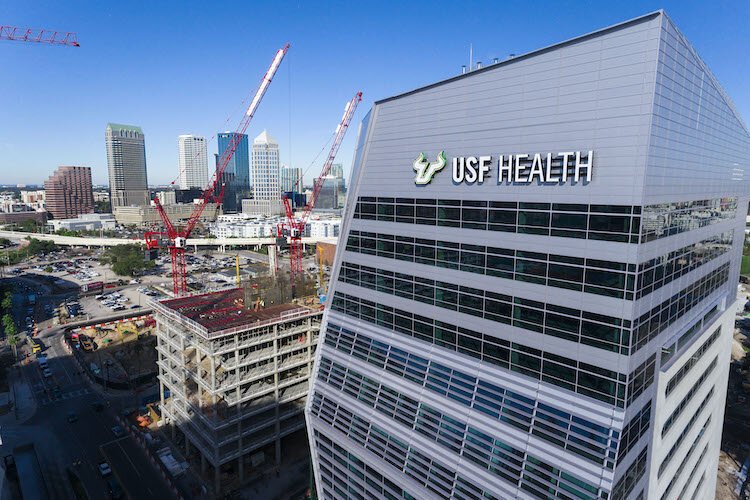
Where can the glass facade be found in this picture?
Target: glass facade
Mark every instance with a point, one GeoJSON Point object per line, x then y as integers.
{"type": "Point", "coordinates": [532, 339]}
{"type": "Point", "coordinates": [236, 177]}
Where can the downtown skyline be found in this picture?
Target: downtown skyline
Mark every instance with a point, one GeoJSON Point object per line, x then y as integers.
{"type": "Point", "coordinates": [302, 107]}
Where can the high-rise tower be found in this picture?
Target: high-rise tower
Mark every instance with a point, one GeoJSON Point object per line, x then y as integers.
{"type": "Point", "coordinates": [68, 192]}
{"type": "Point", "coordinates": [535, 291]}
{"type": "Point", "coordinates": [265, 167]}
{"type": "Point", "coordinates": [126, 159]}
{"type": "Point", "coordinates": [236, 176]}
{"type": "Point", "coordinates": [193, 161]}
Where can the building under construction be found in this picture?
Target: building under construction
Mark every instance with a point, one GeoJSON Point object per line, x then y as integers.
{"type": "Point", "coordinates": [234, 379]}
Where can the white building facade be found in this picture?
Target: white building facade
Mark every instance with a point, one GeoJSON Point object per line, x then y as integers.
{"type": "Point", "coordinates": [193, 161]}
{"type": "Point", "coordinates": [535, 290]}
{"type": "Point", "coordinates": [265, 169]}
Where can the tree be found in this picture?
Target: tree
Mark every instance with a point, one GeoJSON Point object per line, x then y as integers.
{"type": "Point", "coordinates": [126, 260]}
{"type": "Point", "coordinates": [11, 333]}
{"type": "Point", "coordinates": [7, 302]}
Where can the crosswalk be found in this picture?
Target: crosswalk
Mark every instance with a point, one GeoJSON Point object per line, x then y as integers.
{"type": "Point", "coordinates": [46, 397]}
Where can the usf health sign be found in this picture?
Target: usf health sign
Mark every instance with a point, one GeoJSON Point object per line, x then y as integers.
{"type": "Point", "coordinates": [540, 168]}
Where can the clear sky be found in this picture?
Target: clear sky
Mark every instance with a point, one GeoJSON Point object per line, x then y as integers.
{"type": "Point", "coordinates": [185, 67]}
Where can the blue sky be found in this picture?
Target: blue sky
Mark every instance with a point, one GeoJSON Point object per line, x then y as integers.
{"type": "Point", "coordinates": [185, 67]}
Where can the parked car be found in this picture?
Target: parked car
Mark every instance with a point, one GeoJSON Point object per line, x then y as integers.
{"type": "Point", "coordinates": [104, 469]}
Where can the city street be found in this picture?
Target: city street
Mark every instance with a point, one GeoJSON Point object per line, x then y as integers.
{"type": "Point", "coordinates": [60, 443]}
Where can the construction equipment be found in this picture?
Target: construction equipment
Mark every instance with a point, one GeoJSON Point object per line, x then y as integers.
{"type": "Point", "coordinates": [213, 193]}
{"type": "Point", "coordinates": [295, 228]}
{"type": "Point", "coordinates": [237, 268]}
{"type": "Point", "coordinates": [38, 36]}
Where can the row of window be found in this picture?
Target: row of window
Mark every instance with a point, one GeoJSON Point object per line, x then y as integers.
{"type": "Point", "coordinates": [555, 426]}
{"type": "Point", "coordinates": [496, 456]}
{"type": "Point", "coordinates": [633, 431]}
{"type": "Point", "coordinates": [659, 318]}
{"type": "Point", "coordinates": [600, 331]}
{"type": "Point", "coordinates": [621, 223]}
{"type": "Point", "coordinates": [625, 485]}
{"type": "Point", "coordinates": [697, 488]}
{"type": "Point", "coordinates": [687, 457]}
{"type": "Point", "coordinates": [351, 477]}
{"type": "Point", "coordinates": [612, 279]}
{"type": "Point", "coordinates": [688, 397]}
{"type": "Point", "coordinates": [685, 431]}
{"type": "Point", "coordinates": [597, 222]}
{"type": "Point", "coordinates": [599, 383]}
{"type": "Point", "coordinates": [399, 454]}
{"type": "Point", "coordinates": [662, 270]}
{"type": "Point", "coordinates": [452, 433]}
{"type": "Point", "coordinates": [573, 273]}
{"type": "Point", "coordinates": [641, 378]}
{"type": "Point", "coordinates": [667, 219]}
{"type": "Point", "coordinates": [346, 478]}
{"type": "Point", "coordinates": [697, 355]}
{"type": "Point", "coordinates": [673, 346]}
{"type": "Point", "coordinates": [596, 330]}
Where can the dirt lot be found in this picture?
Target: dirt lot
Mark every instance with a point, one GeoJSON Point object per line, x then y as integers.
{"type": "Point", "coordinates": [727, 479]}
{"type": "Point", "coordinates": [125, 350]}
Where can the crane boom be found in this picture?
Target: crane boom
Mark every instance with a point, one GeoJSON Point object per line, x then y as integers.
{"type": "Point", "coordinates": [39, 36]}
{"type": "Point", "coordinates": [178, 237]}
{"type": "Point", "coordinates": [297, 227]}
{"type": "Point", "coordinates": [210, 192]}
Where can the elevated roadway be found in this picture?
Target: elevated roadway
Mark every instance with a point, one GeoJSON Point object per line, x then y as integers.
{"type": "Point", "coordinates": [86, 241]}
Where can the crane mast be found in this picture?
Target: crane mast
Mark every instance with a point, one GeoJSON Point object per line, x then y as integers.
{"type": "Point", "coordinates": [212, 193]}
{"type": "Point", "coordinates": [39, 36]}
{"type": "Point", "coordinates": [296, 227]}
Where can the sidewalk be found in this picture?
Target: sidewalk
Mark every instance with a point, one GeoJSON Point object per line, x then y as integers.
{"type": "Point", "coordinates": [24, 403]}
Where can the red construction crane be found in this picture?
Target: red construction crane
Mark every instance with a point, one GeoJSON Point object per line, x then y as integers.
{"type": "Point", "coordinates": [295, 228]}
{"type": "Point", "coordinates": [38, 35]}
{"type": "Point", "coordinates": [213, 193]}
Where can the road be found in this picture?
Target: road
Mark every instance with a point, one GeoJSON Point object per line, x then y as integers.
{"type": "Point", "coordinates": [59, 442]}
{"type": "Point", "coordinates": [127, 460]}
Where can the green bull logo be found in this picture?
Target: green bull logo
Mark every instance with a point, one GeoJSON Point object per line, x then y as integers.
{"type": "Point", "coordinates": [426, 170]}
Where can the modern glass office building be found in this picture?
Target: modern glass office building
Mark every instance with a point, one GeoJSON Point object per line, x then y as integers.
{"type": "Point", "coordinates": [236, 175]}
{"type": "Point", "coordinates": [535, 290]}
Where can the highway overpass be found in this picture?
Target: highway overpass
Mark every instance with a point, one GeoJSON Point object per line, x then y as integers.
{"type": "Point", "coordinates": [220, 243]}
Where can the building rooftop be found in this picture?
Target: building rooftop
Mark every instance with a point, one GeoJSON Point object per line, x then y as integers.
{"type": "Point", "coordinates": [217, 311]}
{"type": "Point", "coordinates": [129, 128]}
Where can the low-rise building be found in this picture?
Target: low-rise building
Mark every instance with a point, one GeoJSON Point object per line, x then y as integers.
{"type": "Point", "coordinates": [136, 215]}
{"type": "Point", "coordinates": [84, 222]}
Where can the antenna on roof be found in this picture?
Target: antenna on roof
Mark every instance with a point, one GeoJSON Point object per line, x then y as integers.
{"type": "Point", "coordinates": [471, 57]}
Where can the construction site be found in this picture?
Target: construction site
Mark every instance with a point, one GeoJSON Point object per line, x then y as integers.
{"type": "Point", "coordinates": [234, 379]}
{"type": "Point", "coordinates": [119, 353]}
{"type": "Point", "coordinates": [234, 365]}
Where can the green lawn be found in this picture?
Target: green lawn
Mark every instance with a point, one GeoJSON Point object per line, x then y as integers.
{"type": "Point", "coordinates": [745, 269]}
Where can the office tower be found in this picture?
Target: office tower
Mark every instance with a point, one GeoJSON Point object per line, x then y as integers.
{"type": "Point", "coordinates": [233, 379]}
{"type": "Point", "coordinates": [126, 159]}
{"type": "Point", "coordinates": [331, 193]}
{"type": "Point", "coordinates": [68, 192]}
{"type": "Point", "coordinates": [265, 166]}
{"type": "Point", "coordinates": [291, 179]}
{"type": "Point", "coordinates": [193, 161]}
{"type": "Point", "coordinates": [236, 176]}
{"type": "Point", "coordinates": [536, 287]}
{"type": "Point", "coordinates": [337, 170]}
